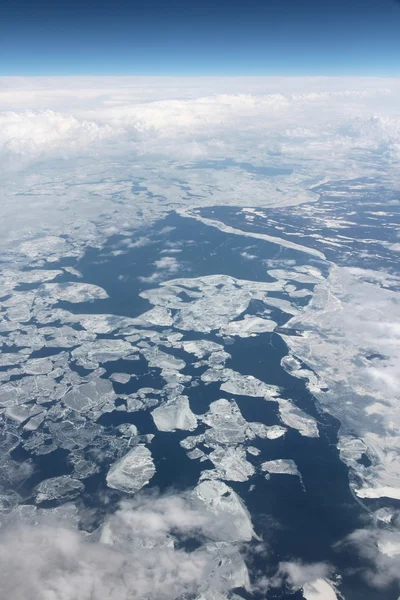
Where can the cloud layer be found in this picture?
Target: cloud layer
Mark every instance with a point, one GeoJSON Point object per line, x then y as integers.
{"type": "Point", "coordinates": [135, 556]}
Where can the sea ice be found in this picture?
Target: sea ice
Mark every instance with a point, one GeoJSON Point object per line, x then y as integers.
{"type": "Point", "coordinates": [297, 419]}
{"type": "Point", "coordinates": [350, 339]}
{"type": "Point", "coordinates": [231, 463]}
{"type": "Point", "coordinates": [133, 471]}
{"type": "Point", "coordinates": [319, 589]}
{"type": "Point", "coordinates": [233, 523]}
{"type": "Point", "coordinates": [72, 292]}
{"type": "Point", "coordinates": [175, 414]}
{"type": "Point", "coordinates": [248, 326]}
{"type": "Point", "coordinates": [90, 354]}
{"type": "Point", "coordinates": [280, 466]}
{"type": "Point", "coordinates": [90, 395]}
{"type": "Point", "coordinates": [120, 377]}
{"type": "Point", "coordinates": [58, 488]}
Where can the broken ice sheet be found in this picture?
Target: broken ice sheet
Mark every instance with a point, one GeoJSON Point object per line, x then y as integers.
{"type": "Point", "coordinates": [280, 466]}
{"type": "Point", "coordinates": [233, 523]}
{"type": "Point", "coordinates": [214, 300]}
{"type": "Point", "coordinates": [72, 292]}
{"type": "Point", "coordinates": [226, 434]}
{"type": "Point", "coordinates": [61, 488]}
{"type": "Point", "coordinates": [90, 354]}
{"type": "Point", "coordinates": [297, 419]}
{"type": "Point", "coordinates": [133, 471]}
{"type": "Point", "coordinates": [248, 326]}
{"type": "Point", "coordinates": [120, 377]}
{"type": "Point", "coordinates": [90, 395]}
{"type": "Point", "coordinates": [231, 464]}
{"type": "Point", "coordinates": [175, 414]}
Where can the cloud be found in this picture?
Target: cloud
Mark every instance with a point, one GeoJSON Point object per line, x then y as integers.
{"type": "Point", "coordinates": [166, 266]}
{"type": "Point", "coordinates": [29, 132]}
{"type": "Point", "coordinates": [137, 556]}
{"type": "Point", "coordinates": [381, 548]}
{"type": "Point", "coordinates": [169, 263]}
{"type": "Point", "coordinates": [303, 117]}
{"type": "Point", "coordinates": [294, 575]}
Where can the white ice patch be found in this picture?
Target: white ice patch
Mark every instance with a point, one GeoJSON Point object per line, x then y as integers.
{"type": "Point", "coordinates": [133, 471]}
{"type": "Point", "coordinates": [213, 303]}
{"type": "Point", "coordinates": [62, 488]}
{"type": "Point", "coordinates": [159, 315]}
{"type": "Point", "coordinates": [233, 519]}
{"type": "Point", "coordinates": [241, 385]}
{"type": "Point", "coordinates": [103, 323]}
{"type": "Point", "coordinates": [72, 292]}
{"type": "Point", "coordinates": [319, 589]}
{"type": "Point", "coordinates": [351, 340]}
{"type": "Point", "coordinates": [231, 464]}
{"type": "Point", "coordinates": [88, 396]}
{"type": "Point", "coordinates": [280, 466]}
{"type": "Point", "coordinates": [248, 327]}
{"type": "Point", "coordinates": [90, 354]}
{"type": "Point", "coordinates": [205, 315]}
{"type": "Point", "coordinates": [201, 348]}
{"type": "Point", "coordinates": [175, 414]}
{"type": "Point", "coordinates": [123, 378]}
{"type": "Point", "coordinates": [227, 434]}
{"type": "Point", "coordinates": [162, 360]}
{"type": "Point", "coordinates": [297, 419]}
{"type": "Point", "coordinates": [271, 432]}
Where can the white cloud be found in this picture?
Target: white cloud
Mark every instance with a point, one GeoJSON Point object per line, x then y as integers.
{"type": "Point", "coordinates": [200, 117]}
{"type": "Point", "coordinates": [169, 263]}
{"type": "Point", "coordinates": [29, 132]}
{"type": "Point", "coordinates": [382, 549]}
{"type": "Point", "coordinates": [296, 575]}
{"type": "Point", "coordinates": [166, 267]}
{"type": "Point", "coordinates": [135, 557]}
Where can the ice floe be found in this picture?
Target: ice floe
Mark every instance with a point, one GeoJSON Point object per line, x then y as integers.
{"type": "Point", "coordinates": [90, 395]}
{"type": "Point", "coordinates": [233, 522]}
{"type": "Point", "coordinates": [230, 464]}
{"type": "Point", "coordinates": [213, 303]}
{"type": "Point", "coordinates": [294, 417]}
{"type": "Point", "coordinates": [282, 466]}
{"type": "Point", "coordinates": [245, 385]}
{"type": "Point", "coordinates": [72, 292]}
{"type": "Point", "coordinates": [123, 378]}
{"type": "Point", "coordinates": [90, 354]}
{"type": "Point", "coordinates": [133, 471]}
{"type": "Point", "coordinates": [61, 488]}
{"type": "Point", "coordinates": [249, 326]}
{"type": "Point", "coordinates": [319, 589]}
{"type": "Point", "coordinates": [227, 435]}
{"type": "Point", "coordinates": [175, 414]}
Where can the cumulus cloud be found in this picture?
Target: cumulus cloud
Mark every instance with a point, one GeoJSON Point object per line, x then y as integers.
{"type": "Point", "coordinates": [29, 132]}
{"type": "Point", "coordinates": [135, 556]}
{"type": "Point", "coordinates": [201, 118]}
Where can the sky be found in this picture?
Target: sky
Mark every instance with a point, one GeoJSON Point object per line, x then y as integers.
{"type": "Point", "coordinates": [207, 37]}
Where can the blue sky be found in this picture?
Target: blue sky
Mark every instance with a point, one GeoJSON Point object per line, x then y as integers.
{"type": "Point", "coordinates": [177, 37]}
